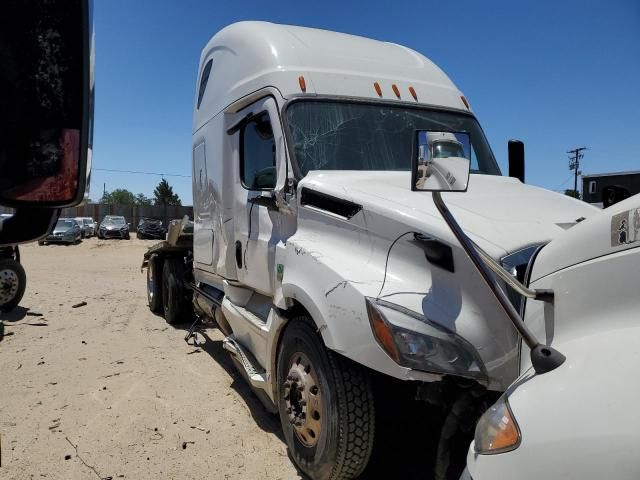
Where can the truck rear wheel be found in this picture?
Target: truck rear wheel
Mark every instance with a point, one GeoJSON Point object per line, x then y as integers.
{"type": "Point", "coordinates": [175, 295]}
{"type": "Point", "coordinates": [154, 285]}
{"type": "Point", "coordinates": [13, 282]}
{"type": "Point", "coordinates": [325, 404]}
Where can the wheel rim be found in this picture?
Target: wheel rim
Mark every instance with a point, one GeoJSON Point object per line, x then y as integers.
{"type": "Point", "coordinates": [150, 285]}
{"type": "Point", "coordinates": [303, 399]}
{"type": "Point", "coordinates": [9, 285]}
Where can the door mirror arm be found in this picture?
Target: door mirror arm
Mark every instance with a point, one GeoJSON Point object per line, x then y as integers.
{"type": "Point", "coordinates": [543, 357]}
{"type": "Point", "coordinates": [546, 295]}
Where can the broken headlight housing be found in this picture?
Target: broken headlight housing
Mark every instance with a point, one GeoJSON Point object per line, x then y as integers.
{"type": "Point", "coordinates": [413, 341]}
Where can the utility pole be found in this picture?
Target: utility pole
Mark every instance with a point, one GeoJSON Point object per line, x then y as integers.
{"type": "Point", "coordinates": [575, 156]}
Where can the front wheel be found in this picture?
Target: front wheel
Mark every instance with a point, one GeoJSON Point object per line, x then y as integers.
{"type": "Point", "coordinates": [325, 404]}
{"type": "Point", "coordinates": [13, 281]}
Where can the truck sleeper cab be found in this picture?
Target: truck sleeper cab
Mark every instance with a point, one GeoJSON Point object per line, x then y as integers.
{"type": "Point", "coordinates": [310, 250]}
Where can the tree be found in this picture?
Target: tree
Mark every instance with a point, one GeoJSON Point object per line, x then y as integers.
{"type": "Point", "coordinates": [142, 199]}
{"type": "Point", "coordinates": [119, 196]}
{"type": "Point", "coordinates": [572, 193]}
{"type": "Point", "coordinates": [164, 195]}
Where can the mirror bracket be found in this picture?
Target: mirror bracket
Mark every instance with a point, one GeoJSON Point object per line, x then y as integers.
{"type": "Point", "coordinates": [543, 357]}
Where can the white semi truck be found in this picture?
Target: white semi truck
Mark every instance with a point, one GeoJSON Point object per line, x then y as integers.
{"type": "Point", "coordinates": [319, 262]}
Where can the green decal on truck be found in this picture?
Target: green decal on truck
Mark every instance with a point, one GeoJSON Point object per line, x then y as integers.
{"type": "Point", "coordinates": [280, 272]}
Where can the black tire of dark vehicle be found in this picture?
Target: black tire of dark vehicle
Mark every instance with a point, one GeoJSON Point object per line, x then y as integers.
{"type": "Point", "coordinates": [154, 285]}
{"type": "Point", "coordinates": [175, 302]}
{"type": "Point", "coordinates": [11, 272]}
{"type": "Point", "coordinates": [127, 237]}
{"type": "Point", "coordinates": [342, 449]}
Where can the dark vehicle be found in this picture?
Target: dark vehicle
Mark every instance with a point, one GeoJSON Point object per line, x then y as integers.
{"type": "Point", "coordinates": [13, 280]}
{"type": "Point", "coordinates": [67, 230]}
{"type": "Point", "coordinates": [12, 277]}
{"type": "Point", "coordinates": [114, 226]}
{"type": "Point", "coordinates": [151, 228]}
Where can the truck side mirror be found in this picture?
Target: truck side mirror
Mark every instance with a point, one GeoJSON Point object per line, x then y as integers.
{"type": "Point", "coordinates": [516, 159]}
{"type": "Point", "coordinates": [46, 93]}
{"type": "Point", "coordinates": [440, 161]}
{"type": "Point", "coordinates": [612, 194]}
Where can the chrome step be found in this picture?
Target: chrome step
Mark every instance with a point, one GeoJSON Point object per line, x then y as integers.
{"type": "Point", "coordinates": [255, 373]}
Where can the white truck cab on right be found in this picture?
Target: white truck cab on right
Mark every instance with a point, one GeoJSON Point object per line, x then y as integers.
{"type": "Point", "coordinates": [323, 267]}
{"type": "Point", "coordinates": [579, 421]}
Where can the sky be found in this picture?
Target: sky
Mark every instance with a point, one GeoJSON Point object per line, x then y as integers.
{"type": "Point", "coordinates": [554, 74]}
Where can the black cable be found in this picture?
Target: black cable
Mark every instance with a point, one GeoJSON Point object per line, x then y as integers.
{"type": "Point", "coordinates": [386, 263]}
{"type": "Point", "coordinates": [141, 173]}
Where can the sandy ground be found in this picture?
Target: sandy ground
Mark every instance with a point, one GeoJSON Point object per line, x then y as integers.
{"type": "Point", "coordinates": [109, 390]}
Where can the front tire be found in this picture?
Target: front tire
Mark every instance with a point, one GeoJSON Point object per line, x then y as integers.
{"type": "Point", "coordinates": [13, 281]}
{"type": "Point", "coordinates": [325, 404]}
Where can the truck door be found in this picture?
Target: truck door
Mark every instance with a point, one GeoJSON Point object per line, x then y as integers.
{"type": "Point", "coordinates": [260, 156]}
{"type": "Point", "coordinates": [203, 228]}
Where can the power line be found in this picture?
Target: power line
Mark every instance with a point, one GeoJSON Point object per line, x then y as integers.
{"type": "Point", "coordinates": [141, 173]}
{"type": "Point", "coordinates": [560, 187]}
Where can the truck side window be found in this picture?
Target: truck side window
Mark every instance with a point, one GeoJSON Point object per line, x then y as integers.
{"type": "Point", "coordinates": [206, 71]}
{"type": "Point", "coordinates": [258, 154]}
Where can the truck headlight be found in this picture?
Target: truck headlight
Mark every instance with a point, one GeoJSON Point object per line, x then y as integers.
{"type": "Point", "coordinates": [414, 341]}
{"type": "Point", "coordinates": [497, 430]}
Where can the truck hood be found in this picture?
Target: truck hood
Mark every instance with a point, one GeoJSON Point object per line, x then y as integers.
{"type": "Point", "coordinates": [611, 230]}
{"type": "Point", "coordinates": [501, 214]}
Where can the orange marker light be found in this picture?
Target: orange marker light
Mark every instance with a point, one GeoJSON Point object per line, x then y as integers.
{"type": "Point", "coordinates": [303, 84]}
{"type": "Point", "coordinates": [376, 85]}
{"type": "Point", "coordinates": [413, 93]}
{"type": "Point", "coordinates": [466, 104]}
{"type": "Point", "coordinates": [395, 89]}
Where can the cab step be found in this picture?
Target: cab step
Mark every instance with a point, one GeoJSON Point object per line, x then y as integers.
{"type": "Point", "coordinates": [256, 375]}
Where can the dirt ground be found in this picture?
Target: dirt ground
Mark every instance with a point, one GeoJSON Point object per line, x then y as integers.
{"type": "Point", "coordinates": [116, 390]}
{"type": "Point", "coordinates": [109, 390]}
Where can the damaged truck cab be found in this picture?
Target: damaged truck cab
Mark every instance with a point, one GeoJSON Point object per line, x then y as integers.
{"type": "Point", "coordinates": [310, 249]}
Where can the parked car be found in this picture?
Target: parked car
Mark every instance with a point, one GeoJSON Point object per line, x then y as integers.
{"type": "Point", "coordinates": [114, 226]}
{"type": "Point", "coordinates": [151, 228]}
{"type": "Point", "coordinates": [87, 226]}
{"type": "Point", "coordinates": [67, 230]}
